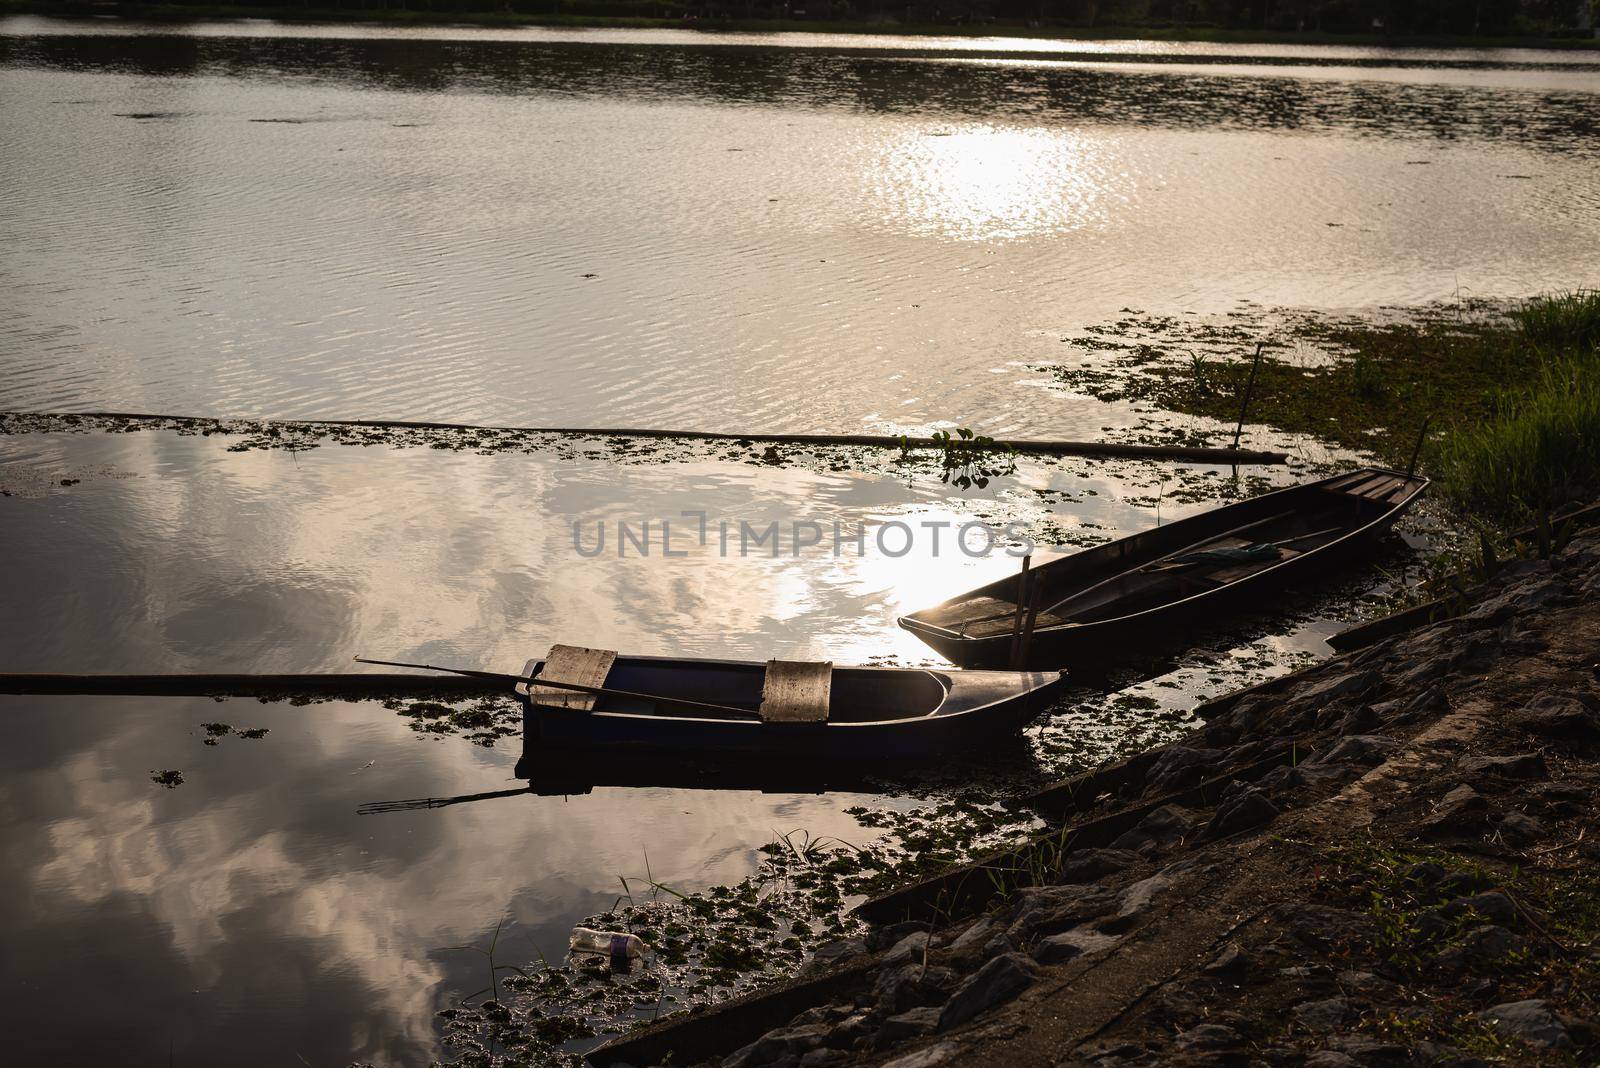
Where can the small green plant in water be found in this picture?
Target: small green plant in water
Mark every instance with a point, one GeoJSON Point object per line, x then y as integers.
{"type": "Point", "coordinates": [966, 458]}
{"type": "Point", "coordinates": [969, 459]}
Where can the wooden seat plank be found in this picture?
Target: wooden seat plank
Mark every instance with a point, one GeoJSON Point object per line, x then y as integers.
{"type": "Point", "coordinates": [796, 692]}
{"type": "Point", "coordinates": [1380, 490]}
{"type": "Point", "coordinates": [574, 664]}
{"type": "Point", "coordinates": [1360, 489]}
{"type": "Point", "coordinates": [1346, 480]}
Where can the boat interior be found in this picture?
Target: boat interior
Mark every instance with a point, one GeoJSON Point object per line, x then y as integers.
{"type": "Point", "coordinates": [1178, 566]}
{"type": "Point", "coordinates": [776, 692]}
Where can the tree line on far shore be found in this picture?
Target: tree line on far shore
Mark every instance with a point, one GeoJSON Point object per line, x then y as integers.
{"type": "Point", "coordinates": [1368, 18]}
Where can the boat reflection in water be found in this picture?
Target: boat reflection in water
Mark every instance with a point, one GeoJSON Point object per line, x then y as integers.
{"type": "Point", "coordinates": [551, 771]}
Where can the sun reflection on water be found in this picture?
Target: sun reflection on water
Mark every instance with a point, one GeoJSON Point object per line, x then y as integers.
{"type": "Point", "coordinates": [993, 183]}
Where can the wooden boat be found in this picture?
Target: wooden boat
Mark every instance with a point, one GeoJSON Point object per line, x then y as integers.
{"type": "Point", "coordinates": [789, 711]}
{"type": "Point", "coordinates": [1117, 599]}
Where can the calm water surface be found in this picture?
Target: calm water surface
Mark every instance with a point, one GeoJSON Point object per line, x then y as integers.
{"type": "Point", "coordinates": [252, 908]}
{"type": "Point", "coordinates": [593, 228]}
{"type": "Point", "coordinates": [602, 229]}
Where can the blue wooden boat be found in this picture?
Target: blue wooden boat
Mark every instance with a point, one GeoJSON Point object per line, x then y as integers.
{"type": "Point", "coordinates": [779, 710]}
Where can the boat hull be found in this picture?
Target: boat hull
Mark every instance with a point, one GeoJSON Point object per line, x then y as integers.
{"type": "Point", "coordinates": [1091, 647]}
{"type": "Point", "coordinates": [978, 709]}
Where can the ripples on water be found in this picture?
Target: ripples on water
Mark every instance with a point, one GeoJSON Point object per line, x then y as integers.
{"type": "Point", "coordinates": [631, 228]}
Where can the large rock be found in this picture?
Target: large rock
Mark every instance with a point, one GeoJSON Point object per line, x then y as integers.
{"type": "Point", "coordinates": [927, 1057]}
{"type": "Point", "coordinates": [1558, 716]}
{"type": "Point", "coordinates": [1233, 960]}
{"type": "Point", "coordinates": [783, 1042]}
{"type": "Point", "coordinates": [1532, 1020]}
{"type": "Point", "coordinates": [1208, 1036]}
{"type": "Point", "coordinates": [1087, 865]}
{"type": "Point", "coordinates": [1180, 766]}
{"type": "Point", "coordinates": [1341, 685]}
{"type": "Point", "coordinates": [1247, 811]}
{"type": "Point", "coordinates": [913, 948]}
{"type": "Point", "coordinates": [1323, 1015]}
{"type": "Point", "coordinates": [908, 986]}
{"type": "Point", "coordinates": [836, 952]}
{"type": "Point", "coordinates": [1002, 979]}
{"type": "Point", "coordinates": [1364, 749]}
{"type": "Point", "coordinates": [1073, 943]}
{"type": "Point", "coordinates": [916, 1022]}
{"type": "Point", "coordinates": [1527, 766]}
{"type": "Point", "coordinates": [1533, 593]}
{"type": "Point", "coordinates": [1136, 898]}
{"type": "Point", "coordinates": [1164, 826]}
{"type": "Point", "coordinates": [1519, 828]}
{"type": "Point", "coordinates": [1460, 811]}
{"type": "Point", "coordinates": [975, 937]}
{"type": "Point", "coordinates": [884, 937]}
{"type": "Point", "coordinates": [1282, 778]}
{"type": "Point", "coordinates": [1475, 657]}
{"type": "Point", "coordinates": [1048, 909]}
{"type": "Point", "coordinates": [823, 1057]}
{"type": "Point", "coordinates": [844, 1034]}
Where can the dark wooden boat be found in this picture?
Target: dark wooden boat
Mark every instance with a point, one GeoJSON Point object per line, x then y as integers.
{"type": "Point", "coordinates": [787, 711]}
{"type": "Point", "coordinates": [1117, 599]}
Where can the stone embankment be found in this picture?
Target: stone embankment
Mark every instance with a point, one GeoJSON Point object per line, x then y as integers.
{"type": "Point", "coordinates": [1415, 885]}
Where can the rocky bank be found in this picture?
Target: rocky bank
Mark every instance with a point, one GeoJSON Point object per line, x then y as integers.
{"type": "Point", "coordinates": [1415, 884]}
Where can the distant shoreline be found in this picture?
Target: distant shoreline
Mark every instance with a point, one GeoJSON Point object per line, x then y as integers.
{"type": "Point", "coordinates": [157, 12]}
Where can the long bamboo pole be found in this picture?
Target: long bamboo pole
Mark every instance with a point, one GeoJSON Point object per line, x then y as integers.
{"type": "Point", "coordinates": [576, 687]}
{"type": "Point", "coordinates": [1103, 449]}
{"type": "Point", "coordinates": [366, 684]}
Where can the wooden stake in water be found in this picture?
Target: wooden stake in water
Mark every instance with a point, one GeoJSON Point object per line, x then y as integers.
{"type": "Point", "coordinates": [1022, 607]}
{"type": "Point", "coordinates": [1416, 453]}
{"type": "Point", "coordinates": [1250, 388]}
{"type": "Point", "coordinates": [1027, 628]}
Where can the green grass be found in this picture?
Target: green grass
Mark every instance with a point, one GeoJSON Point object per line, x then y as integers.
{"type": "Point", "coordinates": [1563, 322]}
{"type": "Point", "coordinates": [1373, 396]}
{"type": "Point", "coordinates": [1510, 396]}
{"type": "Point", "coordinates": [1542, 450]}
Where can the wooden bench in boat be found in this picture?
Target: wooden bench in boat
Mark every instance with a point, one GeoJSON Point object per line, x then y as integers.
{"type": "Point", "coordinates": [795, 692]}
{"type": "Point", "coordinates": [576, 665]}
{"type": "Point", "coordinates": [1378, 486]}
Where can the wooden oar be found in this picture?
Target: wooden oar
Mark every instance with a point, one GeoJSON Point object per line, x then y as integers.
{"type": "Point", "coordinates": [598, 691]}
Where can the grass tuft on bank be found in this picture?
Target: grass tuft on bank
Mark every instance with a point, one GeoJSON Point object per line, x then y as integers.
{"type": "Point", "coordinates": [1510, 395]}
{"type": "Point", "coordinates": [1542, 450]}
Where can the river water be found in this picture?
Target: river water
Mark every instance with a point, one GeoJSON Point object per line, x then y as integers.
{"type": "Point", "coordinates": [599, 228]}
{"type": "Point", "coordinates": [614, 229]}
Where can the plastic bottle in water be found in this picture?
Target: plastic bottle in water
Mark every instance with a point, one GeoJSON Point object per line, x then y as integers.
{"type": "Point", "coordinates": [620, 947]}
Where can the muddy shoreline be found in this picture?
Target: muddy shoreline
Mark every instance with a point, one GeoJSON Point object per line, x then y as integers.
{"type": "Point", "coordinates": [1413, 884]}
